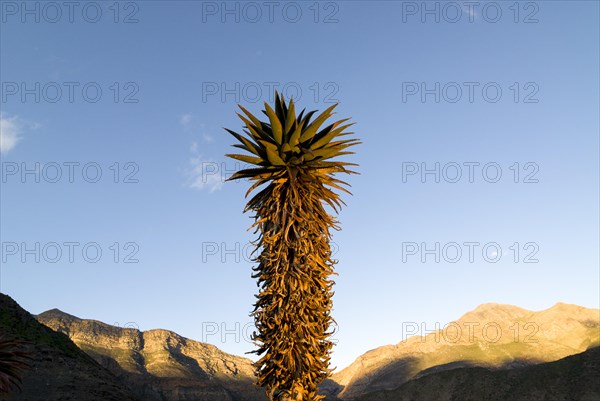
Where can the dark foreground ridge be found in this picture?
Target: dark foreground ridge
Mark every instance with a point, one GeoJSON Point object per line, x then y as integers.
{"type": "Point", "coordinates": [59, 370]}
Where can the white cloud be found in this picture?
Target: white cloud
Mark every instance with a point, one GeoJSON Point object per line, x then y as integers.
{"type": "Point", "coordinates": [190, 124]}
{"type": "Point", "coordinates": [203, 174]}
{"type": "Point", "coordinates": [186, 121]}
{"type": "Point", "coordinates": [10, 133]}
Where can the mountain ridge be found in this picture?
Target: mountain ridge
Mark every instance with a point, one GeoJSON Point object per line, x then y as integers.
{"type": "Point", "coordinates": [574, 377]}
{"type": "Point", "coordinates": [58, 366]}
{"type": "Point", "coordinates": [161, 365]}
{"type": "Point", "coordinates": [491, 335]}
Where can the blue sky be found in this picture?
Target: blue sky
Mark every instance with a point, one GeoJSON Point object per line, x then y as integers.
{"type": "Point", "coordinates": [170, 75]}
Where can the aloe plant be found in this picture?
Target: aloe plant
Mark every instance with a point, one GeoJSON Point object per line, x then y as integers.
{"type": "Point", "coordinates": [292, 157]}
{"type": "Point", "coordinates": [13, 363]}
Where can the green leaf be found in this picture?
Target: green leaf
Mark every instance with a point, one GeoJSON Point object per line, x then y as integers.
{"type": "Point", "coordinates": [290, 118]}
{"type": "Point", "coordinates": [295, 138]}
{"type": "Point", "coordinates": [250, 173]}
{"type": "Point", "coordinates": [306, 120]}
{"type": "Point", "coordinates": [279, 107]}
{"type": "Point", "coordinates": [274, 158]}
{"type": "Point", "coordinates": [257, 131]}
{"type": "Point", "coordinates": [275, 124]}
{"type": "Point", "coordinates": [300, 115]}
{"type": "Point", "coordinates": [314, 126]}
{"type": "Point", "coordinates": [251, 116]}
{"type": "Point", "coordinates": [246, 158]}
{"type": "Point", "coordinates": [324, 137]}
{"type": "Point", "coordinates": [321, 153]}
{"type": "Point", "coordinates": [269, 145]}
{"type": "Point", "coordinates": [249, 145]}
{"type": "Point", "coordinates": [337, 154]}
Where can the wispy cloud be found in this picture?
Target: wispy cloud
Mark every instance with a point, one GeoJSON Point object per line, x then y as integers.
{"type": "Point", "coordinates": [203, 174]}
{"type": "Point", "coordinates": [11, 131]}
{"type": "Point", "coordinates": [186, 121]}
{"type": "Point", "coordinates": [190, 124]}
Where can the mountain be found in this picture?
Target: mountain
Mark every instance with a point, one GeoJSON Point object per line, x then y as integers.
{"type": "Point", "coordinates": [59, 370]}
{"type": "Point", "coordinates": [495, 352]}
{"type": "Point", "coordinates": [575, 377]}
{"type": "Point", "coordinates": [159, 365]}
{"type": "Point", "coordinates": [491, 336]}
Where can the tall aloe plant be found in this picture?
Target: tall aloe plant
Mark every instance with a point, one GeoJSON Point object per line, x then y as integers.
{"type": "Point", "coordinates": [293, 157]}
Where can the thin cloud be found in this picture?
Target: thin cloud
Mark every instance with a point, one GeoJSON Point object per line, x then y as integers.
{"type": "Point", "coordinates": [203, 174]}
{"type": "Point", "coordinates": [190, 124]}
{"type": "Point", "coordinates": [186, 121]}
{"type": "Point", "coordinates": [11, 131]}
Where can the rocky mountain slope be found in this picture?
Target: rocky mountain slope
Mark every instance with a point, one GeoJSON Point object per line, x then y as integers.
{"type": "Point", "coordinates": [59, 370]}
{"type": "Point", "coordinates": [575, 377]}
{"type": "Point", "coordinates": [159, 365]}
{"type": "Point", "coordinates": [495, 352]}
{"type": "Point", "coordinates": [492, 335]}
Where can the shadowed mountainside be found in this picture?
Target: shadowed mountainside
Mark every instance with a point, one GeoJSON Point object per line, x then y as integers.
{"type": "Point", "coordinates": [59, 370]}
{"type": "Point", "coordinates": [575, 377]}
{"type": "Point", "coordinates": [159, 365]}
{"type": "Point", "coordinates": [492, 335]}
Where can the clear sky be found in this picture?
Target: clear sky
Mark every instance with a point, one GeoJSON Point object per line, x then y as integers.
{"type": "Point", "coordinates": [140, 91]}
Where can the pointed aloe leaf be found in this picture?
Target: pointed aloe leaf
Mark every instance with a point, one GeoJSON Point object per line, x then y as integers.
{"type": "Point", "coordinates": [251, 116]}
{"type": "Point", "coordinates": [307, 117]}
{"type": "Point", "coordinates": [327, 137]}
{"type": "Point", "coordinates": [275, 123]}
{"type": "Point", "coordinates": [320, 153]}
{"type": "Point", "coordinates": [246, 158]}
{"type": "Point", "coordinates": [254, 173]}
{"type": "Point", "coordinates": [337, 154]}
{"type": "Point", "coordinates": [335, 125]}
{"type": "Point", "coordinates": [354, 141]}
{"type": "Point", "coordinates": [249, 145]}
{"type": "Point", "coordinates": [295, 137]}
{"type": "Point", "coordinates": [241, 146]}
{"type": "Point", "coordinates": [274, 158]}
{"type": "Point", "coordinates": [279, 107]}
{"type": "Point", "coordinates": [290, 118]}
{"type": "Point", "coordinates": [257, 131]}
{"type": "Point", "coordinates": [311, 130]}
{"type": "Point", "coordinates": [269, 145]}
{"type": "Point", "coordinates": [300, 115]}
